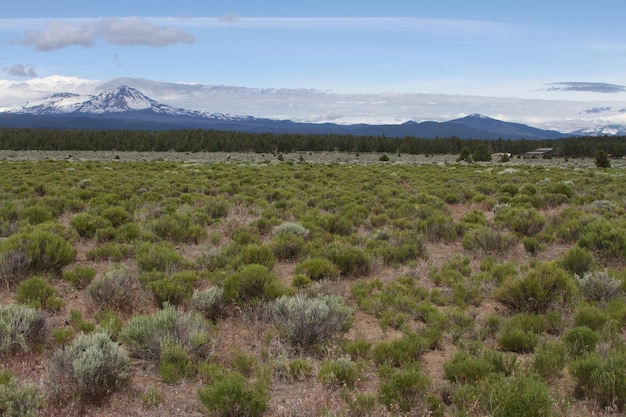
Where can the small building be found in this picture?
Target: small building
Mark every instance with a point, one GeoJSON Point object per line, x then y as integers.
{"type": "Point", "coordinates": [538, 153]}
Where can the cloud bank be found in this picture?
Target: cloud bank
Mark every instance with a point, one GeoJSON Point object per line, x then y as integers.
{"type": "Point", "coordinates": [587, 87]}
{"type": "Point", "coordinates": [117, 31]}
{"type": "Point", "coordinates": [21, 70]}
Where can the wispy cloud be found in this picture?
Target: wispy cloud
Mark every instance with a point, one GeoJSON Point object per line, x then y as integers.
{"type": "Point", "coordinates": [596, 110]}
{"type": "Point", "coordinates": [587, 87]}
{"type": "Point", "coordinates": [21, 70]}
{"type": "Point", "coordinates": [119, 31]}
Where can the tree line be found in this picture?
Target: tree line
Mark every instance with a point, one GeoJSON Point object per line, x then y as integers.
{"type": "Point", "coordinates": [227, 141]}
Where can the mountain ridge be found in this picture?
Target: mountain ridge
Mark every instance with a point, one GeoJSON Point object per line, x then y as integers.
{"type": "Point", "coordinates": [125, 107]}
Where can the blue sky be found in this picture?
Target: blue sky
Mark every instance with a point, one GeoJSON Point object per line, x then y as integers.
{"type": "Point", "coordinates": [503, 58]}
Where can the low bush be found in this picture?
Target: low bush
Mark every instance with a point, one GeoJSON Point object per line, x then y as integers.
{"type": "Point", "coordinates": [545, 287]}
{"type": "Point", "coordinates": [317, 269]}
{"type": "Point", "coordinates": [602, 379]}
{"type": "Point", "coordinates": [605, 238]}
{"type": "Point", "coordinates": [252, 282]}
{"type": "Point", "coordinates": [79, 276]}
{"type": "Point", "coordinates": [255, 253]}
{"type": "Point", "coordinates": [35, 214]}
{"type": "Point", "coordinates": [299, 369]}
{"type": "Point", "coordinates": [93, 367]}
{"type": "Point", "coordinates": [487, 241]}
{"type": "Point", "coordinates": [580, 340]}
{"type": "Point", "coordinates": [45, 250]}
{"type": "Point", "coordinates": [110, 251]}
{"type": "Point", "coordinates": [116, 290]}
{"type": "Point", "coordinates": [526, 222]}
{"type": "Point", "coordinates": [291, 228]}
{"type": "Point", "coordinates": [175, 363]}
{"type": "Point", "coordinates": [19, 400]}
{"type": "Point", "coordinates": [20, 327]}
{"type": "Point", "coordinates": [174, 289]}
{"type": "Point", "coordinates": [517, 340]}
{"type": "Point", "coordinates": [288, 246]}
{"type": "Point", "coordinates": [38, 293]}
{"type": "Point", "coordinates": [209, 302]}
{"type": "Point", "coordinates": [177, 228]}
{"type": "Point", "coordinates": [465, 369]}
{"type": "Point", "coordinates": [400, 352]}
{"type": "Point", "coordinates": [115, 215]}
{"type": "Point", "coordinates": [233, 396]}
{"type": "Point", "coordinates": [305, 321]}
{"type": "Point", "coordinates": [340, 372]}
{"type": "Point", "coordinates": [590, 316]}
{"type": "Point", "coordinates": [549, 360]}
{"type": "Point", "coordinates": [577, 261]}
{"type": "Point", "coordinates": [145, 335]}
{"type": "Point", "coordinates": [351, 260]}
{"type": "Point", "coordinates": [598, 286]}
{"type": "Point", "coordinates": [404, 390]}
{"type": "Point", "coordinates": [158, 257]}
{"type": "Point", "coordinates": [87, 224]}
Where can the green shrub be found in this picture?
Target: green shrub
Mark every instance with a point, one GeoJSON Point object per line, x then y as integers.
{"type": "Point", "coordinates": [580, 340]}
{"type": "Point", "coordinates": [288, 246]}
{"type": "Point", "coordinates": [400, 352]}
{"type": "Point", "coordinates": [300, 281]}
{"type": "Point", "coordinates": [544, 287]}
{"type": "Point", "coordinates": [87, 224]}
{"type": "Point", "coordinates": [14, 267]}
{"type": "Point", "coordinates": [233, 396]}
{"type": "Point", "coordinates": [488, 241]}
{"type": "Point", "coordinates": [598, 286]}
{"type": "Point", "coordinates": [38, 293]}
{"type": "Point", "coordinates": [79, 276]}
{"type": "Point", "coordinates": [602, 379]}
{"type": "Point", "coordinates": [526, 222]}
{"type": "Point", "coordinates": [145, 335]}
{"type": "Point", "coordinates": [306, 321]}
{"type": "Point", "coordinates": [110, 251]}
{"type": "Point", "coordinates": [174, 289]}
{"type": "Point", "coordinates": [605, 238]}
{"type": "Point", "coordinates": [549, 360]}
{"type": "Point", "coordinates": [44, 250]}
{"type": "Point", "coordinates": [177, 228]}
{"type": "Point", "coordinates": [116, 290]}
{"type": "Point", "coordinates": [175, 363]}
{"type": "Point", "coordinates": [591, 316]}
{"type": "Point", "coordinates": [299, 369]}
{"type": "Point", "coordinates": [109, 322]}
{"type": "Point", "coordinates": [340, 372]}
{"type": "Point", "coordinates": [291, 229]}
{"type": "Point", "coordinates": [317, 269]}
{"type": "Point", "coordinates": [351, 261]}
{"type": "Point", "coordinates": [464, 369]}
{"type": "Point", "coordinates": [577, 261]}
{"type": "Point", "coordinates": [20, 327]}
{"type": "Point", "coordinates": [255, 253]}
{"type": "Point", "coordinates": [404, 390]}
{"type": "Point", "coordinates": [36, 214]}
{"type": "Point", "coordinates": [115, 215]}
{"type": "Point", "coordinates": [158, 257]}
{"type": "Point", "coordinates": [93, 366]}
{"type": "Point", "coordinates": [251, 282]}
{"type": "Point", "coordinates": [516, 340]}
{"type": "Point", "coordinates": [19, 400]}
{"type": "Point", "coordinates": [209, 302]}
{"type": "Point", "coordinates": [514, 397]}
{"type": "Point", "coordinates": [151, 398]}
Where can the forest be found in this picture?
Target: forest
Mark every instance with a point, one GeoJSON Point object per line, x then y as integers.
{"type": "Point", "coordinates": [225, 141]}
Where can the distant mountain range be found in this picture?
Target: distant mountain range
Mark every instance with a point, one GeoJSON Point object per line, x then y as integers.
{"type": "Point", "coordinates": [127, 108]}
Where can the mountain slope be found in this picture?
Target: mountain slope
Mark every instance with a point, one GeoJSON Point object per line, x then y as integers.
{"type": "Point", "coordinates": [127, 108]}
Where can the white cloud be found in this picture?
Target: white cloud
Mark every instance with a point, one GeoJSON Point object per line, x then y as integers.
{"type": "Point", "coordinates": [119, 31]}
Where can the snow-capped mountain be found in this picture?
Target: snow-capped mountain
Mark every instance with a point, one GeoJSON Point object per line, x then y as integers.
{"type": "Point", "coordinates": [120, 100]}
{"type": "Point", "coordinates": [128, 108]}
{"type": "Point", "coordinates": [608, 130]}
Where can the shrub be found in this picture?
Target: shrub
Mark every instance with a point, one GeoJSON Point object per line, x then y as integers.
{"type": "Point", "coordinates": [590, 316]}
{"type": "Point", "coordinates": [151, 398]}
{"type": "Point", "coordinates": [340, 372]}
{"type": "Point", "coordinates": [351, 261]}
{"type": "Point", "coordinates": [605, 238]}
{"type": "Point", "coordinates": [80, 276]}
{"type": "Point", "coordinates": [174, 289]}
{"type": "Point", "coordinates": [542, 288]}
{"type": "Point", "coordinates": [400, 352]}
{"type": "Point", "coordinates": [87, 224]}
{"type": "Point", "coordinates": [20, 327]}
{"type": "Point", "coordinates": [175, 363]}
{"type": "Point", "coordinates": [110, 251]}
{"type": "Point", "coordinates": [145, 335]}
{"type": "Point", "coordinates": [306, 321]}
{"type": "Point", "coordinates": [288, 246]}
{"type": "Point", "coordinates": [299, 369]}
{"type": "Point", "coordinates": [92, 366]}
{"type": "Point", "coordinates": [580, 340]}
{"type": "Point", "coordinates": [516, 340]}
{"type": "Point", "coordinates": [488, 241]}
{"type": "Point", "coordinates": [233, 396]}
{"type": "Point", "coordinates": [45, 250]}
{"type": "Point", "coordinates": [464, 369]}
{"type": "Point", "coordinates": [14, 266]}
{"type": "Point", "coordinates": [109, 322]}
{"type": "Point", "coordinates": [19, 400]}
{"type": "Point", "coordinates": [177, 228]}
{"type": "Point", "coordinates": [252, 282]}
{"type": "Point", "coordinates": [209, 302]}
{"type": "Point", "coordinates": [514, 397]}
{"type": "Point", "coordinates": [292, 229]}
{"type": "Point", "coordinates": [115, 215]}
{"type": "Point", "coordinates": [549, 360]}
{"type": "Point", "coordinates": [158, 257]}
{"type": "Point", "coordinates": [598, 286]}
{"type": "Point", "coordinates": [317, 269]}
{"type": "Point", "coordinates": [116, 290]}
{"type": "Point", "coordinates": [602, 379]}
{"type": "Point", "coordinates": [38, 293]}
{"type": "Point", "coordinates": [526, 222]}
{"type": "Point", "coordinates": [36, 214]}
{"type": "Point", "coordinates": [577, 261]}
{"type": "Point", "coordinates": [257, 254]}
{"type": "Point", "coordinates": [404, 390]}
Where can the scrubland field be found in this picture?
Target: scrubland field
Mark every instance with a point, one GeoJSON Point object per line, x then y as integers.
{"type": "Point", "coordinates": [312, 284]}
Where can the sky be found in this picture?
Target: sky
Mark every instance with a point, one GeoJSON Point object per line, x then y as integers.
{"type": "Point", "coordinates": [552, 64]}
